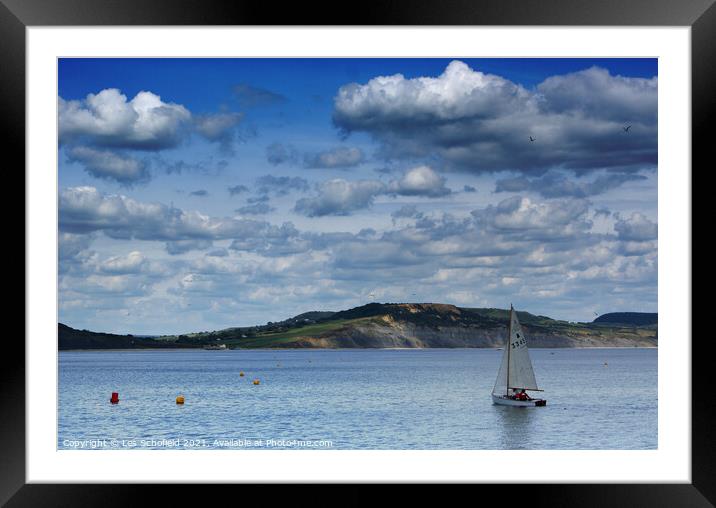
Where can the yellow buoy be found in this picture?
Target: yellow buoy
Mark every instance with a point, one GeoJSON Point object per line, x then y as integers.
{"type": "Point", "coordinates": [241, 374]}
{"type": "Point", "coordinates": [180, 399]}
{"type": "Point", "coordinates": [256, 381]}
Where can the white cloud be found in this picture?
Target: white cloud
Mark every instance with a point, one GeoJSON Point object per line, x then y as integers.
{"type": "Point", "coordinates": [547, 219]}
{"type": "Point", "coordinates": [109, 119]}
{"type": "Point", "coordinates": [339, 157]}
{"type": "Point", "coordinates": [340, 197]}
{"type": "Point", "coordinates": [131, 263]}
{"type": "Point", "coordinates": [216, 127]}
{"type": "Point", "coordinates": [110, 165]}
{"type": "Point", "coordinates": [219, 128]}
{"type": "Point", "coordinates": [518, 250]}
{"type": "Point", "coordinates": [456, 94]}
{"type": "Point", "coordinates": [420, 181]}
{"type": "Point", "coordinates": [85, 209]}
{"type": "Point", "coordinates": [636, 228]}
{"type": "Point", "coordinates": [597, 93]}
{"type": "Point", "coordinates": [479, 122]}
{"type": "Point", "coordinates": [70, 245]}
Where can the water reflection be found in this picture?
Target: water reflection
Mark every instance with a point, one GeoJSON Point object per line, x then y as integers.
{"type": "Point", "coordinates": [516, 426]}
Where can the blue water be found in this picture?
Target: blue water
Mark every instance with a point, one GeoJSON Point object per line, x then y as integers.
{"type": "Point", "coordinates": [353, 399]}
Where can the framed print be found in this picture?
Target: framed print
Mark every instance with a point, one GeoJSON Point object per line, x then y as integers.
{"type": "Point", "coordinates": [428, 246]}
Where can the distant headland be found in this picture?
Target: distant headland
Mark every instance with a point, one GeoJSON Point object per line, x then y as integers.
{"type": "Point", "coordinates": [393, 325]}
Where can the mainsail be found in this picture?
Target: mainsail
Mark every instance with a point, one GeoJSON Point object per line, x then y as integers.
{"type": "Point", "coordinates": [516, 368]}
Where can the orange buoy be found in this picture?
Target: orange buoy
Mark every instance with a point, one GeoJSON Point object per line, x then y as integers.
{"type": "Point", "coordinates": [256, 381]}
{"type": "Point", "coordinates": [180, 399]}
{"type": "Point", "coordinates": [241, 374]}
{"type": "Point", "coordinates": [115, 398]}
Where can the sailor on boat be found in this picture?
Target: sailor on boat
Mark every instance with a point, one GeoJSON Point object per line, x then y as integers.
{"type": "Point", "coordinates": [521, 395]}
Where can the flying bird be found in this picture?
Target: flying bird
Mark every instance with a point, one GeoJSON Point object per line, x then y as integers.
{"type": "Point", "coordinates": [532, 139]}
{"type": "Point", "coordinates": [626, 129]}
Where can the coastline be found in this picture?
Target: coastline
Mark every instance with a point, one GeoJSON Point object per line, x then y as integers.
{"type": "Point", "coordinates": [348, 348]}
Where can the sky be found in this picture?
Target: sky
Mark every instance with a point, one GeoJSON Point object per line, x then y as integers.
{"type": "Point", "coordinates": [200, 194]}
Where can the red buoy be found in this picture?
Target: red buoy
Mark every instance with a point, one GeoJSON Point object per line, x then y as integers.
{"type": "Point", "coordinates": [115, 398]}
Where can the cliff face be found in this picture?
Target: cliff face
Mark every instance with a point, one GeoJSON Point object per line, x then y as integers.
{"type": "Point", "coordinates": [388, 332]}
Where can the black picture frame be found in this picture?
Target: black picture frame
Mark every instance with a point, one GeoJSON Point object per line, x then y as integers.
{"type": "Point", "coordinates": [16, 15]}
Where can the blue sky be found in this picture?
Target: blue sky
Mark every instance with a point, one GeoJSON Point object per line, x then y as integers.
{"type": "Point", "coordinates": [198, 194]}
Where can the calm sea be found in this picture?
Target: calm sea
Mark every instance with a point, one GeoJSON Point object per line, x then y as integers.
{"type": "Point", "coordinates": [353, 399]}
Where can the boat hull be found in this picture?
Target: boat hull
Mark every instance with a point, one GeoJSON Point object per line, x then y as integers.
{"type": "Point", "coordinates": [503, 400]}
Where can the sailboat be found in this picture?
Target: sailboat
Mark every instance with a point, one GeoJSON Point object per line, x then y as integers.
{"type": "Point", "coordinates": [516, 375]}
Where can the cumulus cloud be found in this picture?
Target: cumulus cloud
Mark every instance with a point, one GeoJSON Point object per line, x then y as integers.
{"type": "Point", "coordinates": [108, 119]}
{"type": "Point", "coordinates": [536, 220]}
{"type": "Point", "coordinates": [119, 265]}
{"type": "Point", "coordinates": [482, 122]}
{"type": "Point", "coordinates": [105, 286]}
{"type": "Point", "coordinates": [420, 181]}
{"type": "Point", "coordinates": [71, 245]}
{"type": "Point", "coordinates": [215, 127]}
{"type": "Point", "coordinates": [86, 210]}
{"type": "Point", "coordinates": [596, 93]}
{"type": "Point", "coordinates": [339, 157]}
{"type": "Point", "coordinates": [340, 197]}
{"type": "Point", "coordinates": [110, 165]}
{"type": "Point", "coordinates": [554, 185]}
{"type": "Point", "coordinates": [219, 128]}
{"type": "Point", "coordinates": [520, 248]}
{"type": "Point", "coordinates": [636, 228]}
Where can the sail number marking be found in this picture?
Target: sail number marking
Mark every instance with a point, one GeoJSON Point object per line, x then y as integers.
{"type": "Point", "coordinates": [518, 343]}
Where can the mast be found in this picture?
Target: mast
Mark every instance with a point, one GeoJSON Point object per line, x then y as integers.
{"type": "Point", "coordinates": [509, 346]}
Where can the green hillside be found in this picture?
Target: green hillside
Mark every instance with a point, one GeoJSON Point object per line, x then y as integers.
{"type": "Point", "coordinates": [628, 318]}
{"type": "Point", "coordinates": [379, 325]}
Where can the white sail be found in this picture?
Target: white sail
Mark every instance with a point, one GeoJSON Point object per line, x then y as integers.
{"type": "Point", "coordinates": [501, 382]}
{"type": "Point", "coordinates": [516, 368]}
{"type": "Point", "coordinates": [521, 374]}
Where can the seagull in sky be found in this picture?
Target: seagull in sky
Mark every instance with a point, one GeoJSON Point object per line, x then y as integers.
{"type": "Point", "coordinates": [626, 129]}
{"type": "Point", "coordinates": [532, 139]}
